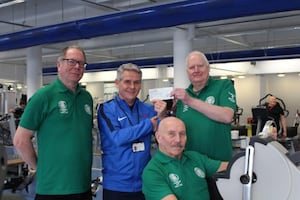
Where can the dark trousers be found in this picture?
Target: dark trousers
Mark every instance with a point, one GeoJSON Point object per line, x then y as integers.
{"type": "Point", "coordinates": [116, 195]}
{"type": "Point", "coordinates": [82, 196]}
{"type": "Point", "coordinates": [213, 189]}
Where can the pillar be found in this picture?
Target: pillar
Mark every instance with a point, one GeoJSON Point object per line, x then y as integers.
{"type": "Point", "coordinates": [182, 47]}
{"type": "Point", "coordinates": [34, 69]}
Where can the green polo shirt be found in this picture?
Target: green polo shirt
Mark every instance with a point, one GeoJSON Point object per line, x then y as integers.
{"type": "Point", "coordinates": [205, 135]}
{"type": "Point", "coordinates": [185, 178]}
{"type": "Point", "coordinates": [63, 123]}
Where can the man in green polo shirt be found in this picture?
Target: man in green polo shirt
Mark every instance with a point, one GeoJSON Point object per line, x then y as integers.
{"type": "Point", "coordinates": [207, 108]}
{"type": "Point", "coordinates": [173, 173]}
{"type": "Point", "coordinates": [61, 114]}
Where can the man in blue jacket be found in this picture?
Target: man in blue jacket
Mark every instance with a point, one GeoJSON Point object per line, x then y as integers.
{"type": "Point", "coordinates": [126, 125]}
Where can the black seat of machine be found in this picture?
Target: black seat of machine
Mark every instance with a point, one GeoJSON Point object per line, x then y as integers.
{"type": "Point", "coordinates": [260, 115]}
{"type": "Point", "coordinates": [292, 131]}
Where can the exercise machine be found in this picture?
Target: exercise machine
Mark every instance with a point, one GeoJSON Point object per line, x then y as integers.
{"type": "Point", "coordinates": [265, 170]}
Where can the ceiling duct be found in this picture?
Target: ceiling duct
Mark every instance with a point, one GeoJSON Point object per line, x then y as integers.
{"type": "Point", "coordinates": [192, 11]}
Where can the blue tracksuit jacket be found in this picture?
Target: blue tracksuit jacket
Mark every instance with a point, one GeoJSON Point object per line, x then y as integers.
{"type": "Point", "coordinates": [120, 127]}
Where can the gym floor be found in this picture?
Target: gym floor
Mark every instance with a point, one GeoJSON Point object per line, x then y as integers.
{"type": "Point", "coordinates": [8, 194]}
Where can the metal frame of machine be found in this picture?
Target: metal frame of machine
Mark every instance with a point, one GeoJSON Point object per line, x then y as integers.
{"type": "Point", "coordinates": [266, 170]}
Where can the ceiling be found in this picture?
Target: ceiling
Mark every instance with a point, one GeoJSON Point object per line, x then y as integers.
{"type": "Point", "coordinates": [247, 33]}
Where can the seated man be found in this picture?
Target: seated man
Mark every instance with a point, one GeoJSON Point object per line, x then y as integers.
{"type": "Point", "coordinates": [174, 173]}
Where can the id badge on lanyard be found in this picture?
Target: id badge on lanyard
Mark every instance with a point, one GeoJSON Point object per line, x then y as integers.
{"type": "Point", "coordinates": [138, 146]}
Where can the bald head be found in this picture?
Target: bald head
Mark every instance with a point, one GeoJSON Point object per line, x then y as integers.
{"type": "Point", "coordinates": [171, 136]}
{"type": "Point", "coordinates": [166, 122]}
{"type": "Point", "coordinates": [272, 101]}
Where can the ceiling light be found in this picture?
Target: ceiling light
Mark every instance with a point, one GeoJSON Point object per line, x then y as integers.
{"type": "Point", "coordinates": [241, 76]}
{"type": "Point", "coordinates": [19, 86]}
{"type": "Point", "coordinates": [281, 75]}
{"type": "Point", "coordinates": [10, 3]}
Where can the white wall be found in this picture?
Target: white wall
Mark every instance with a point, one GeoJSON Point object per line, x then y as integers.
{"type": "Point", "coordinates": [251, 89]}
{"type": "Point", "coordinates": [288, 90]}
{"type": "Point", "coordinates": [12, 72]}
{"type": "Point", "coordinates": [247, 95]}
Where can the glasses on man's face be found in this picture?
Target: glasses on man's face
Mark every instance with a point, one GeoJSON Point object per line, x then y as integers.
{"type": "Point", "coordinates": [73, 63]}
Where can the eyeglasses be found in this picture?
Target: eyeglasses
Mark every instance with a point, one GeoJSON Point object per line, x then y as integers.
{"type": "Point", "coordinates": [73, 63]}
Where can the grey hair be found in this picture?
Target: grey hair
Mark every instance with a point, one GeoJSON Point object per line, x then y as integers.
{"type": "Point", "coordinates": [128, 67]}
{"type": "Point", "coordinates": [64, 51]}
{"type": "Point", "coordinates": [199, 53]}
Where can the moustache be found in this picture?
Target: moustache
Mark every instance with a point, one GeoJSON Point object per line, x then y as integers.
{"type": "Point", "coordinates": [178, 145]}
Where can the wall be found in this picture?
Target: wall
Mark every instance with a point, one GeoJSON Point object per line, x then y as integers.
{"type": "Point", "coordinates": [12, 72]}
{"type": "Point", "coordinates": [251, 89]}
{"type": "Point", "coordinates": [247, 95]}
{"type": "Point", "coordinates": [287, 89]}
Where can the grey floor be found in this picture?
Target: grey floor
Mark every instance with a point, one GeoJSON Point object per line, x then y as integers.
{"type": "Point", "coordinates": [11, 153]}
{"type": "Point", "coordinates": [24, 195]}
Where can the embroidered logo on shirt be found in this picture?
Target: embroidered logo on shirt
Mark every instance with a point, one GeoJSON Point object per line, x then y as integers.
{"type": "Point", "coordinates": [121, 118]}
{"type": "Point", "coordinates": [199, 172]}
{"type": "Point", "coordinates": [210, 100]}
{"type": "Point", "coordinates": [63, 109]}
{"type": "Point", "coordinates": [174, 178]}
{"type": "Point", "coordinates": [231, 97]}
{"type": "Point", "coordinates": [88, 109]}
{"type": "Point", "coordinates": [185, 108]}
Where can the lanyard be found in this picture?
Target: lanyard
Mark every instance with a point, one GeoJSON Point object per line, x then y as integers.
{"type": "Point", "coordinates": [124, 112]}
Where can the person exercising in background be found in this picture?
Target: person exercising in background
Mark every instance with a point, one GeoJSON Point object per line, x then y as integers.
{"type": "Point", "coordinates": [18, 111]}
{"type": "Point", "coordinates": [276, 113]}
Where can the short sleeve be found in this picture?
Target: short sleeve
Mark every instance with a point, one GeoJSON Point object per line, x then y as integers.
{"type": "Point", "coordinates": [228, 97]}
{"type": "Point", "coordinates": [33, 112]}
{"type": "Point", "coordinates": [211, 166]}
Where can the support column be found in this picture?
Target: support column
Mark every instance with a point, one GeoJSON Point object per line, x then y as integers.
{"type": "Point", "coordinates": [182, 47]}
{"type": "Point", "coordinates": [162, 76]}
{"type": "Point", "coordinates": [33, 70]}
